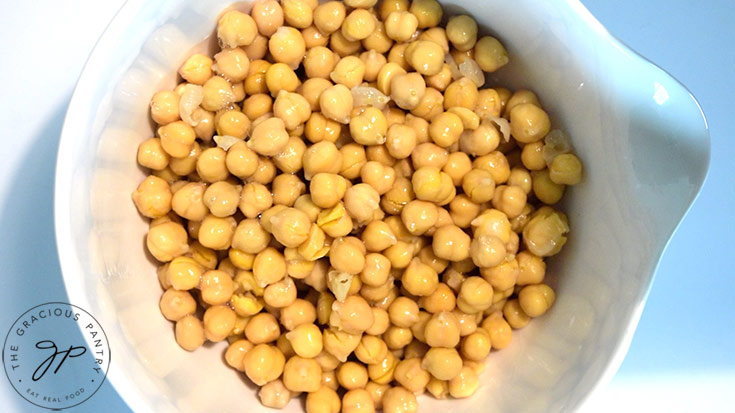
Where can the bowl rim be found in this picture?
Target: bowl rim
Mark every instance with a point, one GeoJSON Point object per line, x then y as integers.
{"type": "Point", "coordinates": [78, 114]}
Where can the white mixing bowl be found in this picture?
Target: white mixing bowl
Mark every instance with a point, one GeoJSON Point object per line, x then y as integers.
{"type": "Point", "coordinates": [642, 137]}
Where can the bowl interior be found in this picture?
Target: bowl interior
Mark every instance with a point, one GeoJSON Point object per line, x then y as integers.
{"type": "Point", "coordinates": [639, 132]}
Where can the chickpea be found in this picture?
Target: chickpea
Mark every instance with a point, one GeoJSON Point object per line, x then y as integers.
{"type": "Point", "coordinates": [400, 141]}
{"type": "Point", "coordinates": [183, 273]}
{"type": "Point", "coordinates": [177, 139]}
{"type": "Point", "coordinates": [373, 61]}
{"type": "Point", "coordinates": [362, 201]}
{"type": "Point", "coordinates": [175, 305]}
{"type": "Point", "coordinates": [496, 163]}
{"type": "Point", "coordinates": [290, 227]}
{"type": "Point", "coordinates": [319, 62]}
{"type": "Point", "coordinates": [340, 344]}
{"type": "Point", "coordinates": [462, 93]}
{"type": "Point", "coordinates": [446, 129]}
{"type": "Point", "coordinates": [428, 12]}
{"type": "Point", "coordinates": [430, 105]}
{"type": "Point", "coordinates": [521, 178]}
{"type": "Point", "coordinates": [218, 94]}
{"type": "Point", "coordinates": [401, 25]}
{"type": "Point", "coordinates": [153, 197]}
{"type": "Point", "coordinates": [280, 76]}
{"type": "Point", "coordinates": [352, 376]}
{"type": "Point", "coordinates": [378, 176]}
{"type": "Point", "coordinates": [274, 394]}
{"type": "Point", "coordinates": [369, 127]}
{"type": "Point", "coordinates": [490, 54]}
{"type": "Point", "coordinates": [442, 363]}
{"type": "Point", "coordinates": [254, 199]}
{"type": "Point", "coordinates": [536, 299]}
{"type": "Point", "coordinates": [451, 243]}
{"type": "Point", "coordinates": [371, 350]}
{"type": "Point", "coordinates": [327, 189]}
{"type": "Point", "coordinates": [403, 312]}
{"type": "Point", "coordinates": [292, 108]}
{"type": "Point", "coordinates": [426, 57]}
{"type": "Point", "coordinates": [347, 255]}
{"type": "Point", "coordinates": [429, 154]}
{"type": "Point", "coordinates": [287, 46]}
{"type": "Point", "coordinates": [232, 63]}
{"type": "Point", "coordinates": [407, 89]}
{"type": "Point", "coordinates": [482, 141]}
{"type": "Point", "coordinates": [411, 375]}
{"type": "Point", "coordinates": [531, 268]}
{"type": "Point", "coordinates": [335, 221]}
{"type": "Point", "coordinates": [152, 155]}
{"type": "Point", "coordinates": [442, 330]}
{"type": "Point", "coordinates": [189, 333]}
{"type": "Point", "coordinates": [462, 32]}
{"type": "Point", "coordinates": [529, 123]}
{"type": "Point", "coordinates": [357, 401]}
{"type": "Point", "coordinates": [262, 328]}
{"type": "Point", "coordinates": [509, 199]}
{"type": "Point", "coordinates": [263, 364]}
{"type": "Point", "coordinates": [329, 16]}
{"type": "Point", "coordinates": [358, 25]}
{"type": "Point", "coordinates": [258, 48]}
{"type": "Point", "coordinates": [514, 314]}
{"type": "Point", "coordinates": [324, 400]}
{"type": "Point", "coordinates": [197, 69]}
{"type": "Point", "coordinates": [211, 165]}
{"type": "Point", "coordinates": [353, 160]}
{"type": "Point", "coordinates": [336, 103]}
{"type": "Point", "coordinates": [165, 107]}
{"type": "Point", "coordinates": [222, 198]}
{"type": "Point", "coordinates": [441, 299]}
{"type": "Point", "coordinates": [386, 75]}
{"type": "Point", "coordinates": [219, 320]}
{"type": "Point", "coordinates": [565, 169]}
{"type": "Point", "coordinates": [269, 267]}
{"type": "Point", "coordinates": [297, 13]}
{"type": "Point", "coordinates": [532, 156]}
{"type": "Point", "coordinates": [489, 103]}
{"type": "Point", "coordinates": [290, 161]}
{"type": "Point", "coordinates": [167, 241]}
{"type": "Point", "coordinates": [499, 330]}
{"type": "Point", "coordinates": [399, 400]}
{"type": "Point", "coordinates": [475, 295]}
{"type": "Point", "coordinates": [269, 137]}
{"type": "Point", "coordinates": [313, 37]}
{"type": "Point", "coordinates": [236, 29]}
{"type": "Point", "coordinates": [216, 287]}
{"type": "Point", "coordinates": [236, 353]}
{"type": "Point", "coordinates": [343, 47]}
{"type": "Point", "coordinates": [397, 55]}
{"type": "Point", "coordinates": [419, 216]}
{"type": "Point", "coordinates": [431, 184]}
{"type": "Point", "coordinates": [268, 16]}
{"type": "Point", "coordinates": [400, 254]}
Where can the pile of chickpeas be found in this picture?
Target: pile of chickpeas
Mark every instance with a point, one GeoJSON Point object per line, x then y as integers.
{"type": "Point", "coordinates": [359, 254]}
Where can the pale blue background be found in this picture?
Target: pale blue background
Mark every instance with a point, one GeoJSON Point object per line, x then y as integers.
{"type": "Point", "coordinates": [683, 348]}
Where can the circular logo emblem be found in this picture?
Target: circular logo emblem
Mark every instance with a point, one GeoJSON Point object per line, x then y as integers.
{"type": "Point", "coordinates": [56, 355]}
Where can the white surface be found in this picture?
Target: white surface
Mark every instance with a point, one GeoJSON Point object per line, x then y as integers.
{"type": "Point", "coordinates": [52, 51]}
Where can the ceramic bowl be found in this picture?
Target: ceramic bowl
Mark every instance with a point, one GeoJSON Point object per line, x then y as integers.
{"type": "Point", "coordinates": [641, 134]}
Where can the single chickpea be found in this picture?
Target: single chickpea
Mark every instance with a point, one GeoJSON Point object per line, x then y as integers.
{"type": "Point", "coordinates": [280, 76]}
{"type": "Point", "coordinates": [418, 216]}
{"type": "Point", "coordinates": [431, 184]}
{"type": "Point", "coordinates": [401, 25]}
{"type": "Point", "coordinates": [378, 176]}
{"type": "Point", "coordinates": [386, 75]}
{"type": "Point", "coordinates": [510, 199]}
{"type": "Point", "coordinates": [358, 25]}
{"type": "Point", "coordinates": [475, 295]}
{"type": "Point", "coordinates": [520, 177]}
{"type": "Point", "coordinates": [262, 328]}
{"type": "Point", "coordinates": [175, 305]}
{"type": "Point", "coordinates": [400, 141]}
{"type": "Point", "coordinates": [268, 16]}
{"type": "Point", "coordinates": [222, 198]}
{"type": "Point", "coordinates": [489, 103]}
{"type": "Point", "coordinates": [429, 154]}
{"type": "Point", "coordinates": [476, 346]}
{"type": "Point", "coordinates": [446, 129]}
{"type": "Point", "coordinates": [265, 172]}
{"type": "Point", "coordinates": [183, 273]}
{"type": "Point", "coordinates": [411, 375]}
{"type": "Point", "coordinates": [327, 189]}
{"type": "Point", "coordinates": [314, 38]}
{"type": "Point", "coordinates": [481, 141]}
{"type": "Point", "coordinates": [462, 32]}
{"type": "Point", "coordinates": [396, 338]}
{"type": "Point", "coordinates": [426, 57]}
{"type": "Point", "coordinates": [211, 165]}
{"type": "Point", "coordinates": [536, 299]}
{"type": "Point", "coordinates": [442, 330]}
{"type": "Point", "coordinates": [378, 40]}
{"type": "Point", "coordinates": [292, 108]}
{"type": "Point", "coordinates": [532, 156]}
{"type": "Point", "coordinates": [177, 139]}
{"type": "Point", "coordinates": [451, 243]}
{"type": "Point", "coordinates": [399, 400]}
{"type": "Point", "coordinates": [219, 320]}
{"type": "Point", "coordinates": [216, 287]}
{"type": "Point", "coordinates": [254, 199]}
{"type": "Point", "coordinates": [269, 267]}
{"type": "Point", "coordinates": [287, 46]}
{"type": "Point", "coordinates": [329, 16]}
{"type": "Point", "coordinates": [357, 401]}
{"type": "Point", "coordinates": [529, 123]}
{"type": "Point", "coordinates": [274, 394]}
{"type": "Point", "coordinates": [441, 299]}
{"type": "Point", "coordinates": [381, 321]}
{"type": "Point", "coordinates": [297, 13]}
{"type": "Point", "coordinates": [462, 93]}
{"type": "Point", "coordinates": [257, 105]}
{"type": "Point", "coordinates": [442, 363]}
{"type": "Point", "coordinates": [496, 163]}
{"type": "Point", "coordinates": [385, 8]}
{"type": "Point", "coordinates": [258, 48]}
{"type": "Point", "coordinates": [373, 61]}
{"type": "Point", "coordinates": [531, 268]}
{"type": "Point", "coordinates": [264, 363]}
{"type": "Point", "coordinates": [269, 137]}
{"type": "Point", "coordinates": [153, 197]}
{"type": "Point", "coordinates": [233, 123]}
{"type": "Point", "coordinates": [290, 161]}
{"type": "Point", "coordinates": [499, 330]}
{"type": "Point", "coordinates": [490, 54]}
{"type": "Point", "coordinates": [165, 107]}
{"type": "Point", "coordinates": [566, 169]}
{"type": "Point", "coordinates": [343, 47]}
{"type": "Point", "coordinates": [324, 400]}
{"type": "Point", "coordinates": [347, 255]}
{"type": "Point", "coordinates": [197, 69]}
{"type": "Point", "coordinates": [353, 160]}
{"type": "Point", "coordinates": [514, 314]}
{"type": "Point", "coordinates": [546, 190]}
{"type": "Point", "coordinates": [465, 384]}
{"type": "Point", "coordinates": [406, 90]}
{"type": "Point", "coordinates": [430, 105]}
{"type": "Point", "coordinates": [439, 389]}
{"type": "Point", "coordinates": [362, 201]}
{"type": "Point", "coordinates": [152, 155]}
{"type": "Point", "coordinates": [428, 12]}
{"type": "Point", "coordinates": [463, 211]}
{"type": "Point", "coordinates": [403, 312]}
{"type": "Point", "coordinates": [232, 63]}
{"type": "Point", "coordinates": [352, 376]}
{"type": "Point", "coordinates": [369, 127]}
{"type": "Point", "coordinates": [371, 350]}
{"type": "Point", "coordinates": [167, 241]}
{"type": "Point", "coordinates": [189, 333]}
{"type": "Point", "coordinates": [236, 353]}
{"type": "Point", "coordinates": [217, 93]}
{"type": "Point", "coordinates": [335, 221]}
{"type": "Point", "coordinates": [319, 128]}
{"type": "Point", "coordinates": [287, 188]}
{"type": "Point", "coordinates": [419, 329]}
{"type": "Point", "coordinates": [290, 227]}
{"type": "Point", "coordinates": [502, 276]}
{"type": "Point", "coordinates": [397, 55]}
{"type": "Point", "coordinates": [378, 236]}
{"type": "Point", "coordinates": [236, 29]}
{"type": "Point", "coordinates": [340, 344]}
{"type": "Point", "coordinates": [319, 62]}
{"type": "Point", "coordinates": [400, 254]}
{"type": "Point", "coordinates": [336, 103]}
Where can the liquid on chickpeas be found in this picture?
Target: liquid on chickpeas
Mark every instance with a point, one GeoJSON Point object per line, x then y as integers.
{"type": "Point", "coordinates": [361, 230]}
